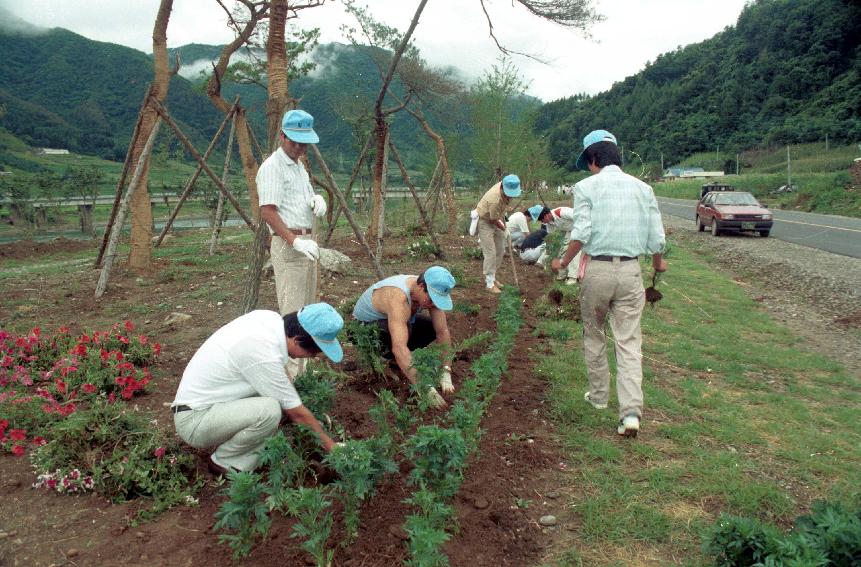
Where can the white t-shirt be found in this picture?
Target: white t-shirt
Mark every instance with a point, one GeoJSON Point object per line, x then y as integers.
{"type": "Point", "coordinates": [285, 183]}
{"type": "Point", "coordinates": [517, 222]}
{"type": "Point", "coordinates": [242, 359]}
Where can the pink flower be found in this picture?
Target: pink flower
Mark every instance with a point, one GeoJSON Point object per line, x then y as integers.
{"type": "Point", "coordinates": [17, 434]}
{"type": "Point", "coordinates": [89, 483]}
{"type": "Point", "coordinates": [18, 450]}
{"type": "Point", "coordinates": [89, 388]}
{"type": "Point", "coordinates": [39, 441]}
{"type": "Point", "coordinates": [4, 423]}
{"type": "Point", "coordinates": [159, 453]}
{"type": "Point", "coordinates": [64, 329]}
{"type": "Point", "coordinates": [156, 347]}
{"type": "Point", "coordinates": [129, 326]}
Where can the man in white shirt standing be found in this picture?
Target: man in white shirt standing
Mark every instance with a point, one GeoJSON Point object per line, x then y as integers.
{"type": "Point", "coordinates": [235, 389]}
{"type": "Point", "coordinates": [288, 205]}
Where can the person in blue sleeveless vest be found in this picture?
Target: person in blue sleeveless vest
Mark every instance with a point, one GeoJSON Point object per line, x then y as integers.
{"type": "Point", "coordinates": [393, 304]}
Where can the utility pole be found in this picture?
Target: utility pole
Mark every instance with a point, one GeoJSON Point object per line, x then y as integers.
{"type": "Point", "coordinates": [662, 163]}
{"type": "Point", "coordinates": [788, 169]}
{"type": "Point", "coordinates": [826, 142]}
{"type": "Point", "coordinates": [736, 164]}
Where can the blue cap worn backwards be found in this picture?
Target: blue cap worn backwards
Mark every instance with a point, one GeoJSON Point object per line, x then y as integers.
{"type": "Point", "coordinates": [592, 137]}
{"type": "Point", "coordinates": [298, 126]}
{"type": "Point", "coordinates": [439, 282]}
{"type": "Point", "coordinates": [511, 185]}
{"type": "Point", "coordinates": [535, 211]}
{"type": "Point", "coordinates": [323, 323]}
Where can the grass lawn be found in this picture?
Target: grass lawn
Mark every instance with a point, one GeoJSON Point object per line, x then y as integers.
{"type": "Point", "coordinates": [740, 418]}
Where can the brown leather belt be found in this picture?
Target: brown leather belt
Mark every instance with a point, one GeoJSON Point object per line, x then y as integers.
{"type": "Point", "coordinates": [611, 258]}
{"type": "Point", "coordinates": [299, 231]}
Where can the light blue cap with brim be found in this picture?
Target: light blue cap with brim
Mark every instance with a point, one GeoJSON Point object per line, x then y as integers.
{"type": "Point", "coordinates": [298, 126]}
{"type": "Point", "coordinates": [511, 185]}
{"type": "Point", "coordinates": [323, 323]}
{"type": "Point", "coordinates": [439, 283]}
{"type": "Point", "coordinates": [535, 211]}
{"type": "Point", "coordinates": [592, 137]}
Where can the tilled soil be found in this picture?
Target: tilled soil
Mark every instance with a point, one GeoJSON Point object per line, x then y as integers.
{"type": "Point", "coordinates": [498, 506]}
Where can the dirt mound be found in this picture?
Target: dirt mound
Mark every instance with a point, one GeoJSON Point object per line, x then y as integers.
{"type": "Point", "coordinates": [28, 248]}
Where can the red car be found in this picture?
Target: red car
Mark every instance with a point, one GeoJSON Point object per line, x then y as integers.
{"type": "Point", "coordinates": [726, 210]}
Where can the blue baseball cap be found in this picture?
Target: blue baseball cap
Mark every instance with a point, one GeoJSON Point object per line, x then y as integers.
{"type": "Point", "coordinates": [298, 125]}
{"type": "Point", "coordinates": [593, 137]}
{"type": "Point", "coordinates": [535, 211]}
{"type": "Point", "coordinates": [439, 282]}
{"type": "Point", "coordinates": [511, 185]}
{"type": "Point", "coordinates": [323, 323]}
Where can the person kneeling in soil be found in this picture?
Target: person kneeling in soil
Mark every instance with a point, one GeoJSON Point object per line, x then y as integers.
{"type": "Point", "coordinates": [393, 305]}
{"type": "Point", "coordinates": [235, 388]}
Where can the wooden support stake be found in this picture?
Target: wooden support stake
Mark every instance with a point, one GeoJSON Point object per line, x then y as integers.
{"type": "Point", "coordinates": [358, 231]}
{"type": "Point", "coordinates": [189, 186]}
{"type": "Point", "coordinates": [347, 191]}
{"type": "Point", "coordinates": [111, 250]}
{"type": "Point", "coordinates": [121, 183]}
{"type": "Point", "coordinates": [428, 227]}
{"type": "Point", "coordinates": [162, 111]}
{"type": "Point", "coordinates": [219, 210]}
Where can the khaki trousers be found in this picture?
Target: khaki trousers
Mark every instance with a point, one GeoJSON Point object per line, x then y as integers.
{"type": "Point", "coordinates": [492, 242]}
{"type": "Point", "coordinates": [295, 284]}
{"type": "Point", "coordinates": [237, 429]}
{"type": "Point", "coordinates": [615, 289]}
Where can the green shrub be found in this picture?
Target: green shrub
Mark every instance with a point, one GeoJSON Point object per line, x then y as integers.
{"type": "Point", "coordinates": [317, 386]}
{"type": "Point", "coordinates": [422, 248]}
{"type": "Point", "coordinates": [439, 456]}
{"type": "Point", "coordinates": [366, 339]}
{"type": "Point", "coordinates": [244, 514]}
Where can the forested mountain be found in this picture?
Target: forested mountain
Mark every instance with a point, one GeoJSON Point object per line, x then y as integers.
{"type": "Point", "coordinates": [789, 71]}
{"type": "Point", "coordinates": [60, 89]}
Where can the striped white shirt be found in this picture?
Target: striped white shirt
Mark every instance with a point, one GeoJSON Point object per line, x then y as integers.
{"type": "Point", "coordinates": [616, 214]}
{"type": "Point", "coordinates": [284, 183]}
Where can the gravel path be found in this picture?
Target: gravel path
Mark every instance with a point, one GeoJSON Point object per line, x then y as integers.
{"type": "Point", "coordinates": [816, 294]}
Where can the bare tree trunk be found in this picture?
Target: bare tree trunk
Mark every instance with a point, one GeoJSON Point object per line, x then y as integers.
{"type": "Point", "coordinates": [140, 254]}
{"type": "Point", "coordinates": [381, 131]}
{"type": "Point", "coordinates": [121, 182]}
{"type": "Point", "coordinates": [258, 257]}
{"type": "Point", "coordinates": [276, 54]}
{"type": "Point", "coordinates": [219, 210]}
{"type": "Point", "coordinates": [137, 179]}
{"type": "Point", "coordinates": [213, 90]}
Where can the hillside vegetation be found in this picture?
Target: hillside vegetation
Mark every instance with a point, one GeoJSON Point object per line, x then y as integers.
{"type": "Point", "coordinates": [788, 72]}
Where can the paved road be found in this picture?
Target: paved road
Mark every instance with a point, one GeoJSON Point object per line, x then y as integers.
{"type": "Point", "coordinates": [840, 235]}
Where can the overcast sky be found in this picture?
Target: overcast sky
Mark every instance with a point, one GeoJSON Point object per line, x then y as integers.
{"type": "Point", "coordinates": [450, 32]}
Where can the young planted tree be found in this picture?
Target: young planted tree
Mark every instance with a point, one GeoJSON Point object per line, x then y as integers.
{"type": "Point", "coordinates": [84, 182]}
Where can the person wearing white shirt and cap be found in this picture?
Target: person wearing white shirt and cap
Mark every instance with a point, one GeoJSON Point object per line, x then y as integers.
{"type": "Point", "coordinates": [235, 389]}
{"type": "Point", "coordinates": [288, 205]}
{"type": "Point", "coordinates": [393, 304]}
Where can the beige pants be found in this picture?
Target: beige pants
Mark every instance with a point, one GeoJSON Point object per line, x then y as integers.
{"type": "Point", "coordinates": [295, 284]}
{"type": "Point", "coordinates": [236, 429]}
{"type": "Point", "coordinates": [614, 289]}
{"type": "Point", "coordinates": [492, 241]}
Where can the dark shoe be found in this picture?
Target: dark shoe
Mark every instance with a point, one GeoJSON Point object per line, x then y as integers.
{"type": "Point", "coordinates": [217, 469]}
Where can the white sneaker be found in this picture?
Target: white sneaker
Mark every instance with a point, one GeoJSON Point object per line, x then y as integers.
{"type": "Point", "coordinates": [629, 426]}
{"type": "Point", "coordinates": [595, 405]}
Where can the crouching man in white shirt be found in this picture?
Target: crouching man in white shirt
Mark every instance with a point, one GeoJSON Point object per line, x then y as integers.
{"type": "Point", "coordinates": [235, 390]}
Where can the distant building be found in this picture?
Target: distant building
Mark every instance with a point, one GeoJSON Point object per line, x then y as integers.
{"type": "Point", "coordinates": [680, 171]}
{"type": "Point", "coordinates": [52, 152]}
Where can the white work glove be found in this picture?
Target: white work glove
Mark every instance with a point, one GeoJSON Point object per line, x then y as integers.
{"type": "Point", "coordinates": [307, 247]}
{"type": "Point", "coordinates": [318, 206]}
{"type": "Point", "coordinates": [434, 399]}
{"type": "Point", "coordinates": [473, 226]}
{"type": "Point", "coordinates": [445, 382]}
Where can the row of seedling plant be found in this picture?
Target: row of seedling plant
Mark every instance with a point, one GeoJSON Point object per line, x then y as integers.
{"type": "Point", "coordinates": [292, 485]}
{"type": "Point", "coordinates": [63, 403]}
{"type": "Point", "coordinates": [439, 451]}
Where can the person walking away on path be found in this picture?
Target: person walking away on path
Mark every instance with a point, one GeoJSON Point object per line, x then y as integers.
{"type": "Point", "coordinates": [235, 391]}
{"type": "Point", "coordinates": [288, 205]}
{"type": "Point", "coordinates": [394, 303]}
{"type": "Point", "coordinates": [491, 227]}
{"type": "Point", "coordinates": [616, 221]}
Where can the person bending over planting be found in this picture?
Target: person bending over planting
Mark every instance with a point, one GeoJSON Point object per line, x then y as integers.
{"type": "Point", "coordinates": [393, 305]}
{"type": "Point", "coordinates": [235, 389]}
